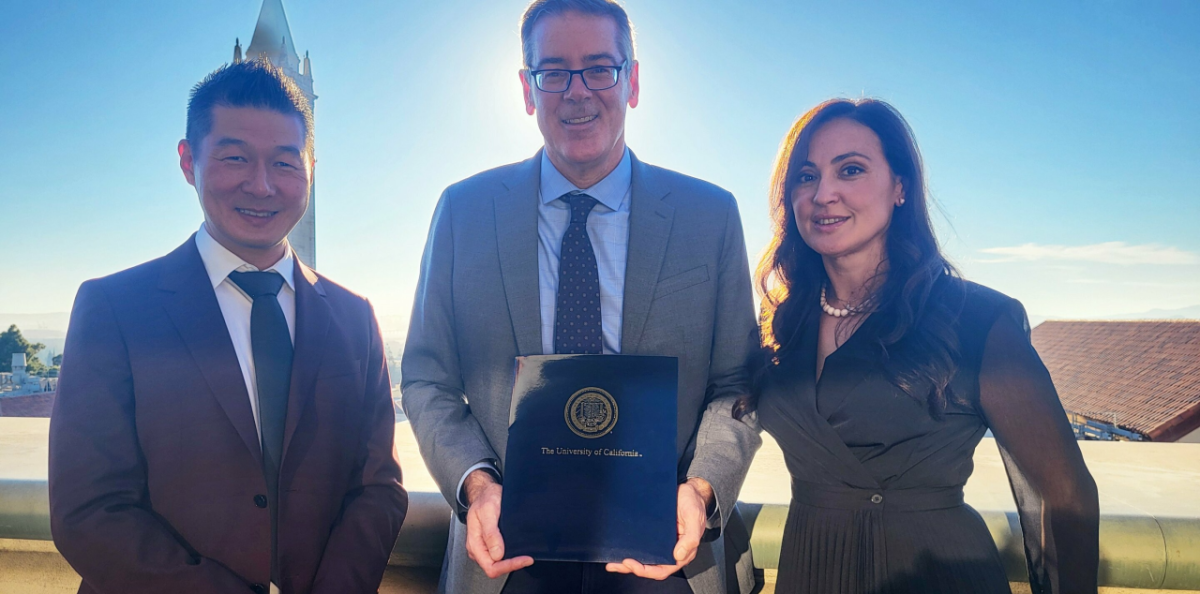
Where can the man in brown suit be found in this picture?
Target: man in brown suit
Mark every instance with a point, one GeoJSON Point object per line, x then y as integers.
{"type": "Point", "coordinates": [224, 417]}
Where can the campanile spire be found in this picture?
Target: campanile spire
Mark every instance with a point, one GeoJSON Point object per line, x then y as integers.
{"type": "Point", "coordinates": [272, 36]}
{"type": "Point", "coordinates": [272, 40]}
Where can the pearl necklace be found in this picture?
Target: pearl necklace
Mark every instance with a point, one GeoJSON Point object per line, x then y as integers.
{"type": "Point", "coordinates": [835, 312]}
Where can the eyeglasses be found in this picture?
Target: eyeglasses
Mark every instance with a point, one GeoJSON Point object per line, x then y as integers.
{"type": "Point", "coordinates": [595, 78]}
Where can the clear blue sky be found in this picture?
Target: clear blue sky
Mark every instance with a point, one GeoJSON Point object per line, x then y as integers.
{"type": "Point", "coordinates": [1062, 139]}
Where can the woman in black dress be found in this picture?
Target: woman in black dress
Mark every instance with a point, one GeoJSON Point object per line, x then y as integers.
{"type": "Point", "coordinates": [884, 369]}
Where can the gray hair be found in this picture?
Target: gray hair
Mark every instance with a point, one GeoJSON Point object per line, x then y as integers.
{"type": "Point", "coordinates": [609, 8]}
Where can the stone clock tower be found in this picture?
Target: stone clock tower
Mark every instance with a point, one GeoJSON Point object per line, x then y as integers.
{"type": "Point", "coordinates": [273, 40]}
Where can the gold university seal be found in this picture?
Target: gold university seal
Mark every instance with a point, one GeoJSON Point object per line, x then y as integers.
{"type": "Point", "coordinates": [591, 413]}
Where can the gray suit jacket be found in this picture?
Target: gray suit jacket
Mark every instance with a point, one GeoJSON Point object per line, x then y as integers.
{"type": "Point", "coordinates": [687, 295]}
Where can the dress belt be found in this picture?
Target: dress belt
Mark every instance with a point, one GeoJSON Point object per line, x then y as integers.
{"type": "Point", "coordinates": [835, 497]}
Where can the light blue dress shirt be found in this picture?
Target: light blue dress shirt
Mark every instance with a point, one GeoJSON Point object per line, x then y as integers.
{"type": "Point", "coordinates": [608, 228]}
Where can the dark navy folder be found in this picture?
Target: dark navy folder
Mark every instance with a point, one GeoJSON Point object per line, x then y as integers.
{"type": "Point", "coordinates": [590, 467]}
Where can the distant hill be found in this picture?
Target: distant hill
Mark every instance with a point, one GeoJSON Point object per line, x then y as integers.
{"type": "Point", "coordinates": [50, 329]}
{"type": "Point", "coordinates": [44, 321]}
{"type": "Point", "coordinates": [393, 327]}
{"type": "Point", "coordinates": [1183, 313]}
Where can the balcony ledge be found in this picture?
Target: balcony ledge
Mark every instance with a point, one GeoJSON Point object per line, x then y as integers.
{"type": "Point", "coordinates": [1141, 551]}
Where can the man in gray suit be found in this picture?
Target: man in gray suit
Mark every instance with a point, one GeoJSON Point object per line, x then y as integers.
{"type": "Point", "coordinates": [583, 224]}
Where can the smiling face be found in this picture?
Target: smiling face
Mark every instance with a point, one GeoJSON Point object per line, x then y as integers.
{"type": "Point", "coordinates": [844, 193]}
{"type": "Point", "coordinates": [252, 173]}
{"type": "Point", "coordinates": [584, 130]}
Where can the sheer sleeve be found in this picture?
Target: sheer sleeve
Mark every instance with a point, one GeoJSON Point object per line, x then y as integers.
{"type": "Point", "coordinates": [1056, 496]}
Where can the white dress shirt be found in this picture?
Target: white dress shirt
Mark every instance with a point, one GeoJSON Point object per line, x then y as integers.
{"type": "Point", "coordinates": [235, 307]}
{"type": "Point", "coordinates": [235, 303]}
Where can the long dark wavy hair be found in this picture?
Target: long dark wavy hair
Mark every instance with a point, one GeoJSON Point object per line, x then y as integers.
{"type": "Point", "coordinates": [916, 335]}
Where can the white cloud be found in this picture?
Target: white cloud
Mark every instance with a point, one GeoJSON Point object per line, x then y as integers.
{"type": "Point", "coordinates": [1112, 252]}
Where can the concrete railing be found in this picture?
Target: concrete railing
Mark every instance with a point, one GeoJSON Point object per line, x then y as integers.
{"type": "Point", "coordinates": [1139, 553]}
{"type": "Point", "coordinates": [1136, 552]}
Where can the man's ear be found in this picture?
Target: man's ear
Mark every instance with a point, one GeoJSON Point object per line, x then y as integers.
{"type": "Point", "coordinates": [634, 87]}
{"type": "Point", "coordinates": [527, 89]}
{"type": "Point", "coordinates": [187, 162]}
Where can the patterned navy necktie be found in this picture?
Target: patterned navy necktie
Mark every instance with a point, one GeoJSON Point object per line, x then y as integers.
{"type": "Point", "coordinates": [271, 344]}
{"type": "Point", "coordinates": [577, 323]}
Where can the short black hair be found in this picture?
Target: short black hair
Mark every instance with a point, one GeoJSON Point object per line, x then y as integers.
{"type": "Point", "coordinates": [250, 83]}
{"type": "Point", "coordinates": [543, 8]}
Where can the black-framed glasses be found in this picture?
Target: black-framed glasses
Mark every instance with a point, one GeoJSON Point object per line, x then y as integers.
{"type": "Point", "coordinates": [595, 78]}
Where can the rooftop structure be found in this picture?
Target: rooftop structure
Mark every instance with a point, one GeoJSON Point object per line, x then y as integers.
{"type": "Point", "coordinates": [18, 369]}
{"type": "Point", "coordinates": [23, 395]}
{"type": "Point", "coordinates": [1133, 380]}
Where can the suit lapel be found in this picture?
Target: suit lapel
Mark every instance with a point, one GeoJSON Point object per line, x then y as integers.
{"type": "Point", "coordinates": [650, 219]}
{"type": "Point", "coordinates": [312, 324]}
{"type": "Point", "coordinates": [808, 390]}
{"type": "Point", "coordinates": [192, 306]}
{"type": "Point", "coordinates": [516, 236]}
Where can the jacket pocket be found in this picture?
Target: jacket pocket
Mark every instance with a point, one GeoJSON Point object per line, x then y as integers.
{"type": "Point", "coordinates": [340, 369]}
{"type": "Point", "coordinates": [681, 281]}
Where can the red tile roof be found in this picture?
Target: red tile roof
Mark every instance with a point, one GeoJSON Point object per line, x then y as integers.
{"type": "Point", "coordinates": [1146, 372]}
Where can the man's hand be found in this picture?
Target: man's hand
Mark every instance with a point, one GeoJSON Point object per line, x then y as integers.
{"type": "Point", "coordinates": [695, 498]}
{"type": "Point", "coordinates": [485, 546]}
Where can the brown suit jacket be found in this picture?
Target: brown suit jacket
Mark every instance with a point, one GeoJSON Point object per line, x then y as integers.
{"type": "Point", "coordinates": [155, 464]}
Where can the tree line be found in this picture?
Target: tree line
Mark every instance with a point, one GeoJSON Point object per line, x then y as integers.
{"type": "Point", "coordinates": [12, 342]}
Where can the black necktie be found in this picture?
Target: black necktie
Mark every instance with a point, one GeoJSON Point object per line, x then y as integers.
{"type": "Point", "coordinates": [577, 326]}
{"type": "Point", "coordinates": [271, 344]}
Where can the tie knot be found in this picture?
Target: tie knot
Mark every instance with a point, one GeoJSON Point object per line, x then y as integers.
{"type": "Point", "coordinates": [581, 206]}
{"type": "Point", "coordinates": [258, 284]}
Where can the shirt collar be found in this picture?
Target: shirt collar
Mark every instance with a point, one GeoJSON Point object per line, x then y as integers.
{"type": "Point", "coordinates": [219, 261]}
{"type": "Point", "coordinates": [610, 191]}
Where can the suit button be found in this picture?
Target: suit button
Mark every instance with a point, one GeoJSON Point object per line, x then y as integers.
{"type": "Point", "coordinates": [260, 501]}
{"type": "Point", "coordinates": [258, 588]}
{"type": "Point", "coordinates": [877, 498]}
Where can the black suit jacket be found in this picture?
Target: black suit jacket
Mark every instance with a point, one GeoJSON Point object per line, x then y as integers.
{"type": "Point", "coordinates": [155, 462]}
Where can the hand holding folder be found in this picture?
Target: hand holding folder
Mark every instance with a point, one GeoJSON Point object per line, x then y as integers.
{"type": "Point", "coordinates": [590, 472]}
